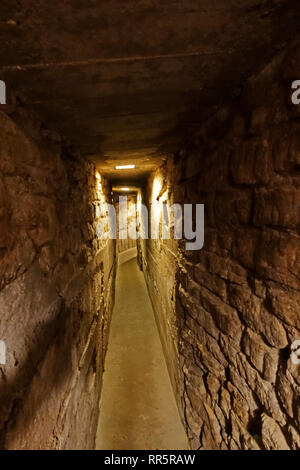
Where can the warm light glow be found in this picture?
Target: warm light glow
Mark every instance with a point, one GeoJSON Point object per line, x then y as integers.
{"type": "Point", "coordinates": [124, 167]}
{"type": "Point", "coordinates": [156, 206]}
{"type": "Point", "coordinates": [98, 184]}
{"type": "Point", "coordinates": [156, 188]}
{"type": "Point", "coordinates": [125, 188]}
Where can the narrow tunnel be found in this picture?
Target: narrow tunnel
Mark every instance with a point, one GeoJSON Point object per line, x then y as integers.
{"type": "Point", "coordinates": [137, 409]}
{"type": "Point", "coordinates": [176, 325]}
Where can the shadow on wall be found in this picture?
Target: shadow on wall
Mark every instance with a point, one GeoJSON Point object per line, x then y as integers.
{"type": "Point", "coordinates": [48, 336]}
{"type": "Point", "coordinates": [54, 363]}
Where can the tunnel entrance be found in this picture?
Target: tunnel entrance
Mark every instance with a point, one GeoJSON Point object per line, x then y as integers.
{"type": "Point", "coordinates": [126, 246]}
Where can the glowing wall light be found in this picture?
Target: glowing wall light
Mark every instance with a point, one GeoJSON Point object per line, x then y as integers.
{"type": "Point", "coordinates": [98, 182]}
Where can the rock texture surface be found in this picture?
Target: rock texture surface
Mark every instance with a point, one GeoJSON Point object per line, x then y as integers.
{"type": "Point", "coordinates": [229, 313]}
{"type": "Point", "coordinates": [56, 293]}
{"type": "Point", "coordinates": [140, 80]}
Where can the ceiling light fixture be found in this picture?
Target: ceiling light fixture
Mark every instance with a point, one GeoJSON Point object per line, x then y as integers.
{"type": "Point", "coordinates": [124, 167]}
{"type": "Point", "coordinates": [124, 189]}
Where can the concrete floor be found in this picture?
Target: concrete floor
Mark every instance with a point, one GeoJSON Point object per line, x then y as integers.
{"type": "Point", "coordinates": [137, 408]}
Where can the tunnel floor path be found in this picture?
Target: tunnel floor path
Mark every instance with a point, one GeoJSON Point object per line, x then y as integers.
{"type": "Point", "coordinates": [137, 408]}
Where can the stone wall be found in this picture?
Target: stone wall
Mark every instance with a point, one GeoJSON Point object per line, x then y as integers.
{"type": "Point", "coordinates": [229, 313]}
{"type": "Point", "coordinates": [158, 258]}
{"type": "Point", "coordinates": [56, 293]}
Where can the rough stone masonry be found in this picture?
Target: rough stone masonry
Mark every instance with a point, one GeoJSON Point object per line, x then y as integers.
{"type": "Point", "coordinates": [165, 83]}
{"type": "Point", "coordinates": [229, 313]}
{"type": "Point", "coordinates": [56, 292]}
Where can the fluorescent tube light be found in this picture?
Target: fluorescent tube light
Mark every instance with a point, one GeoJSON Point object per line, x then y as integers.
{"type": "Point", "coordinates": [124, 167]}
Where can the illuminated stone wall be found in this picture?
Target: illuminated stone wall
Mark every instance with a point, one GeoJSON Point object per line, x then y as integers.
{"type": "Point", "coordinates": [229, 314]}
{"type": "Point", "coordinates": [56, 293]}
